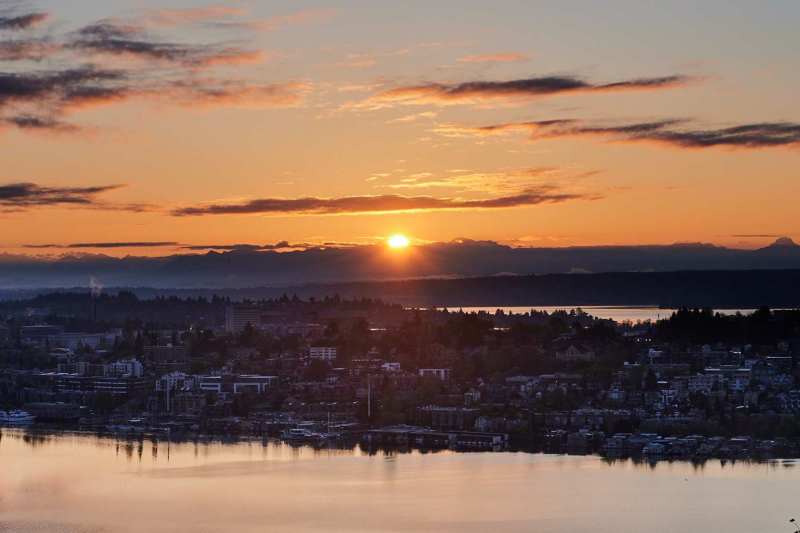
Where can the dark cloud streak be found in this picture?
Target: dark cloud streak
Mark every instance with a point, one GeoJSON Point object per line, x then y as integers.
{"type": "Point", "coordinates": [17, 197]}
{"type": "Point", "coordinates": [673, 132]}
{"type": "Point", "coordinates": [119, 39]}
{"type": "Point", "coordinates": [521, 88]}
{"type": "Point", "coordinates": [27, 49]}
{"type": "Point", "coordinates": [21, 22]}
{"type": "Point", "coordinates": [378, 204]}
{"type": "Point", "coordinates": [108, 245]}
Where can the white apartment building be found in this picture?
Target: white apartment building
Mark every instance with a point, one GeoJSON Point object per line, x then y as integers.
{"type": "Point", "coordinates": [325, 353]}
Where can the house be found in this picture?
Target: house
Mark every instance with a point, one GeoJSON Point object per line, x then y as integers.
{"type": "Point", "coordinates": [576, 353]}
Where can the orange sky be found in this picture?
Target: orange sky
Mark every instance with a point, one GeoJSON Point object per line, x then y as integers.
{"type": "Point", "coordinates": [260, 122]}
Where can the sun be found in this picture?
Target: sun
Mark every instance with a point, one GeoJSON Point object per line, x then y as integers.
{"type": "Point", "coordinates": [398, 241]}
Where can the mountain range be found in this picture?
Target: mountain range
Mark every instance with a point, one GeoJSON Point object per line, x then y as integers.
{"type": "Point", "coordinates": [243, 268]}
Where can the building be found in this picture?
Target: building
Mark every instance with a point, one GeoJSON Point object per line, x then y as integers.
{"type": "Point", "coordinates": [209, 384]}
{"type": "Point", "coordinates": [442, 374]}
{"type": "Point", "coordinates": [448, 418]}
{"type": "Point", "coordinates": [75, 341]}
{"type": "Point", "coordinates": [40, 335]}
{"type": "Point", "coordinates": [704, 383]}
{"type": "Point", "coordinates": [125, 368]}
{"type": "Point", "coordinates": [579, 353]}
{"type": "Point", "coordinates": [239, 316]}
{"type": "Point", "coordinates": [175, 381]}
{"type": "Point", "coordinates": [165, 353]}
{"type": "Point", "coordinates": [253, 384]}
{"type": "Point", "coordinates": [324, 353]}
{"type": "Point", "coordinates": [235, 384]}
{"type": "Point", "coordinates": [115, 386]}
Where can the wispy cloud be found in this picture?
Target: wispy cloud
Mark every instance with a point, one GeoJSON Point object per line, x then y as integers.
{"type": "Point", "coordinates": [33, 122]}
{"type": "Point", "coordinates": [115, 60]}
{"type": "Point", "coordinates": [16, 197]}
{"type": "Point", "coordinates": [21, 195]}
{"type": "Point", "coordinates": [670, 132]}
{"type": "Point", "coordinates": [306, 16]}
{"type": "Point", "coordinates": [113, 38]}
{"type": "Point", "coordinates": [10, 21]}
{"type": "Point", "coordinates": [282, 245]}
{"type": "Point", "coordinates": [508, 57]}
{"type": "Point", "coordinates": [240, 94]}
{"type": "Point", "coordinates": [104, 245]}
{"type": "Point", "coordinates": [477, 91]}
{"type": "Point", "coordinates": [37, 99]}
{"type": "Point", "coordinates": [31, 49]}
{"type": "Point", "coordinates": [379, 204]}
{"type": "Point", "coordinates": [498, 182]}
{"type": "Point", "coordinates": [191, 15]}
{"type": "Point", "coordinates": [414, 117]}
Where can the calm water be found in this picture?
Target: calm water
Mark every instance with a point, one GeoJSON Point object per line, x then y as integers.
{"type": "Point", "coordinates": [85, 484]}
{"type": "Point", "coordinates": [617, 313]}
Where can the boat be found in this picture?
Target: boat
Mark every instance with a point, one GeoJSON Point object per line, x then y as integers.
{"type": "Point", "coordinates": [16, 418]}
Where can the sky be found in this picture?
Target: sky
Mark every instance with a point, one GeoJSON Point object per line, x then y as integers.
{"type": "Point", "coordinates": [143, 127]}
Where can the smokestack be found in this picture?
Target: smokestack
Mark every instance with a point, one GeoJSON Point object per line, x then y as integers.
{"type": "Point", "coordinates": [96, 288]}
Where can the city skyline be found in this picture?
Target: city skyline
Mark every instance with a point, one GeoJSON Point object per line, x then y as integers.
{"type": "Point", "coordinates": [142, 127]}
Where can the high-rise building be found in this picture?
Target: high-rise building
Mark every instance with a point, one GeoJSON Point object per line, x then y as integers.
{"type": "Point", "coordinates": [238, 316]}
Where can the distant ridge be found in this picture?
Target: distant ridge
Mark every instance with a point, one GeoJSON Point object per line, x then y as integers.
{"type": "Point", "coordinates": [782, 243]}
{"type": "Point", "coordinates": [718, 289]}
{"type": "Point", "coordinates": [458, 259]}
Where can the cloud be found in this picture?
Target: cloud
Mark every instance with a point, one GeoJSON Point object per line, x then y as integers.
{"type": "Point", "coordinates": [457, 130]}
{"type": "Point", "coordinates": [277, 22]}
{"type": "Point", "coordinates": [27, 49]}
{"type": "Point", "coordinates": [510, 57]}
{"type": "Point", "coordinates": [16, 197]}
{"type": "Point", "coordinates": [379, 204]}
{"type": "Point", "coordinates": [191, 15]}
{"type": "Point", "coordinates": [357, 61]}
{"type": "Point", "coordinates": [475, 91]}
{"type": "Point", "coordinates": [671, 132]}
{"type": "Point", "coordinates": [22, 195]}
{"type": "Point", "coordinates": [36, 99]}
{"type": "Point", "coordinates": [21, 22]}
{"type": "Point", "coordinates": [118, 39]}
{"type": "Point", "coordinates": [240, 94]}
{"type": "Point", "coordinates": [282, 245]}
{"type": "Point", "coordinates": [32, 122]}
{"type": "Point", "coordinates": [115, 60]}
{"type": "Point", "coordinates": [499, 183]}
{"type": "Point", "coordinates": [414, 117]}
{"type": "Point", "coordinates": [108, 245]}
{"type": "Point", "coordinates": [53, 86]}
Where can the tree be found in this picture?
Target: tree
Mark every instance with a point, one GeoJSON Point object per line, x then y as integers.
{"type": "Point", "coordinates": [650, 381]}
{"type": "Point", "coordinates": [316, 371]}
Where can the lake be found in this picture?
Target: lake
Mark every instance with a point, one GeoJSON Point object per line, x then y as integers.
{"type": "Point", "coordinates": [86, 484]}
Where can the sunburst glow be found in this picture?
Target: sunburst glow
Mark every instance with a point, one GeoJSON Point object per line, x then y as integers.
{"type": "Point", "coordinates": [398, 241]}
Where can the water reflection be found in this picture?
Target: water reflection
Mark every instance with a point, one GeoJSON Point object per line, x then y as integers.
{"type": "Point", "coordinates": [85, 483]}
